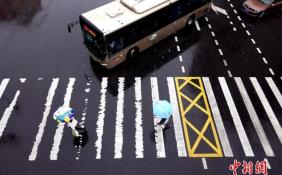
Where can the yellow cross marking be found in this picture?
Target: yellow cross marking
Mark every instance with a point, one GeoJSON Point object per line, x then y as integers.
{"type": "Point", "coordinates": [185, 112]}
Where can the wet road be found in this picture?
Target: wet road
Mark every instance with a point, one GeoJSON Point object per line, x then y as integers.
{"type": "Point", "coordinates": [40, 62]}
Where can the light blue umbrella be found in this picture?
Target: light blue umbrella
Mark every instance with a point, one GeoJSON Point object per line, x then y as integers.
{"type": "Point", "coordinates": [162, 109]}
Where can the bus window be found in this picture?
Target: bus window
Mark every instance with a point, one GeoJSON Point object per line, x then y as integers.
{"type": "Point", "coordinates": [115, 43]}
{"type": "Point", "coordinates": [93, 40]}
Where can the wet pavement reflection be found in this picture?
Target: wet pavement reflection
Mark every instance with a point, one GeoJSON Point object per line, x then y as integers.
{"type": "Point", "coordinates": [21, 11]}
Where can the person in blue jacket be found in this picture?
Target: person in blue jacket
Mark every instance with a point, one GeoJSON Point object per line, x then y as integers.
{"type": "Point", "coordinates": [66, 115]}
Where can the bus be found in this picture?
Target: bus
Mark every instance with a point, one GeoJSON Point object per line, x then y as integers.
{"type": "Point", "coordinates": [121, 29]}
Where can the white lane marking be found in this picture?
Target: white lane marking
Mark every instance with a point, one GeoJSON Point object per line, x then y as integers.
{"type": "Point", "coordinates": [213, 34]}
{"type": "Point", "coordinates": [216, 42]}
{"type": "Point", "coordinates": [236, 118]}
{"type": "Point", "coordinates": [197, 25]}
{"type": "Point", "coordinates": [248, 33]}
{"type": "Point", "coordinates": [264, 60]}
{"type": "Point", "coordinates": [39, 78]}
{"type": "Point", "coordinates": [3, 86]}
{"type": "Point", "coordinates": [228, 17]}
{"type": "Point", "coordinates": [209, 26]}
{"type": "Point", "coordinates": [234, 29]}
{"type": "Point", "coordinates": [239, 18]}
{"type": "Point", "coordinates": [176, 39]}
{"type": "Point", "coordinates": [220, 52]}
{"type": "Point", "coordinates": [225, 63]}
{"type": "Point", "coordinates": [254, 117]}
{"type": "Point", "coordinates": [159, 137]}
{"type": "Point", "coordinates": [259, 51]}
{"type": "Point", "coordinates": [243, 24]}
{"type": "Point", "coordinates": [7, 113]}
{"type": "Point", "coordinates": [101, 117]}
{"type": "Point", "coordinates": [139, 145]}
{"type": "Point", "coordinates": [180, 58]}
{"type": "Point", "coordinates": [178, 48]}
{"type": "Point", "coordinates": [229, 73]}
{"type": "Point", "coordinates": [267, 163]}
{"type": "Point", "coordinates": [271, 71]}
{"type": "Point", "coordinates": [267, 108]}
{"type": "Point", "coordinates": [235, 11]}
{"type": "Point", "coordinates": [275, 90]}
{"type": "Point", "coordinates": [60, 128]}
{"type": "Point", "coordinates": [253, 41]}
{"type": "Point", "coordinates": [231, 5]}
{"type": "Point", "coordinates": [119, 120]}
{"type": "Point", "coordinates": [218, 9]}
{"type": "Point", "coordinates": [40, 132]}
{"type": "Point", "coordinates": [231, 23]}
{"type": "Point", "coordinates": [207, 19]}
{"type": "Point", "coordinates": [178, 130]}
{"type": "Point", "coordinates": [205, 165]}
{"type": "Point", "coordinates": [183, 69]}
{"type": "Point", "coordinates": [218, 119]}
{"type": "Point", "coordinates": [22, 80]}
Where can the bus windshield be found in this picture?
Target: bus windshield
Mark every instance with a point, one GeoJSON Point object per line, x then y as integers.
{"type": "Point", "coordinates": [93, 40]}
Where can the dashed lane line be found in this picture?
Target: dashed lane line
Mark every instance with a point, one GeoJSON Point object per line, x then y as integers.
{"type": "Point", "coordinates": [197, 25]}
{"type": "Point", "coordinates": [249, 34]}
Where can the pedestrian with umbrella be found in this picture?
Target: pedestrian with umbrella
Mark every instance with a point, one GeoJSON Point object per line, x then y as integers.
{"type": "Point", "coordinates": [66, 115]}
{"type": "Point", "coordinates": [162, 110]}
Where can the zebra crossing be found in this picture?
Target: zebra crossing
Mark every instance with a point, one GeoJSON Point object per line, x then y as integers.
{"type": "Point", "coordinates": [219, 91]}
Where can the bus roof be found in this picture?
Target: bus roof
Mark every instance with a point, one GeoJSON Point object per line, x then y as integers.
{"type": "Point", "coordinates": [120, 13]}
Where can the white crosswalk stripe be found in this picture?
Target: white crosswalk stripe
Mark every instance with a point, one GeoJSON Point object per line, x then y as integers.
{"type": "Point", "coordinates": [160, 145]}
{"type": "Point", "coordinates": [46, 113]}
{"type": "Point", "coordinates": [119, 120]}
{"type": "Point", "coordinates": [159, 137]}
{"type": "Point", "coordinates": [7, 113]}
{"type": "Point", "coordinates": [181, 148]}
{"type": "Point", "coordinates": [254, 117]}
{"type": "Point", "coordinates": [275, 90]}
{"type": "Point", "coordinates": [139, 144]}
{"type": "Point", "coordinates": [60, 129]}
{"type": "Point", "coordinates": [236, 119]}
{"type": "Point", "coordinates": [101, 117]}
{"type": "Point", "coordinates": [3, 85]}
{"type": "Point", "coordinates": [218, 119]}
{"type": "Point", "coordinates": [269, 111]}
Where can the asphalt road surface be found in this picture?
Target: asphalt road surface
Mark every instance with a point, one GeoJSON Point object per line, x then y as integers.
{"type": "Point", "coordinates": [223, 79]}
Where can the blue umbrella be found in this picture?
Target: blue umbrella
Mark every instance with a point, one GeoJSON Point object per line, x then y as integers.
{"type": "Point", "coordinates": [162, 109]}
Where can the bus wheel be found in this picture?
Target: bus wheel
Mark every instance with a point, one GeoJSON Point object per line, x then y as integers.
{"type": "Point", "coordinates": [190, 21]}
{"type": "Point", "coordinates": [133, 52]}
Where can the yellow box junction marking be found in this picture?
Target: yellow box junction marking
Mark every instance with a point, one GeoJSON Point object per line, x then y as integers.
{"type": "Point", "coordinates": [196, 84]}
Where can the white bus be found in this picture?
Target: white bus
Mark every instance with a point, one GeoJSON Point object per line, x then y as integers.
{"type": "Point", "coordinates": [121, 29]}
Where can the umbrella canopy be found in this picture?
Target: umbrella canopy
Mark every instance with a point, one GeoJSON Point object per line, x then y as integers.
{"type": "Point", "coordinates": [162, 109]}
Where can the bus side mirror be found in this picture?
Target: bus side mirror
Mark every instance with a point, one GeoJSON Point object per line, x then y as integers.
{"type": "Point", "coordinates": [71, 25]}
{"type": "Point", "coordinates": [69, 28]}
